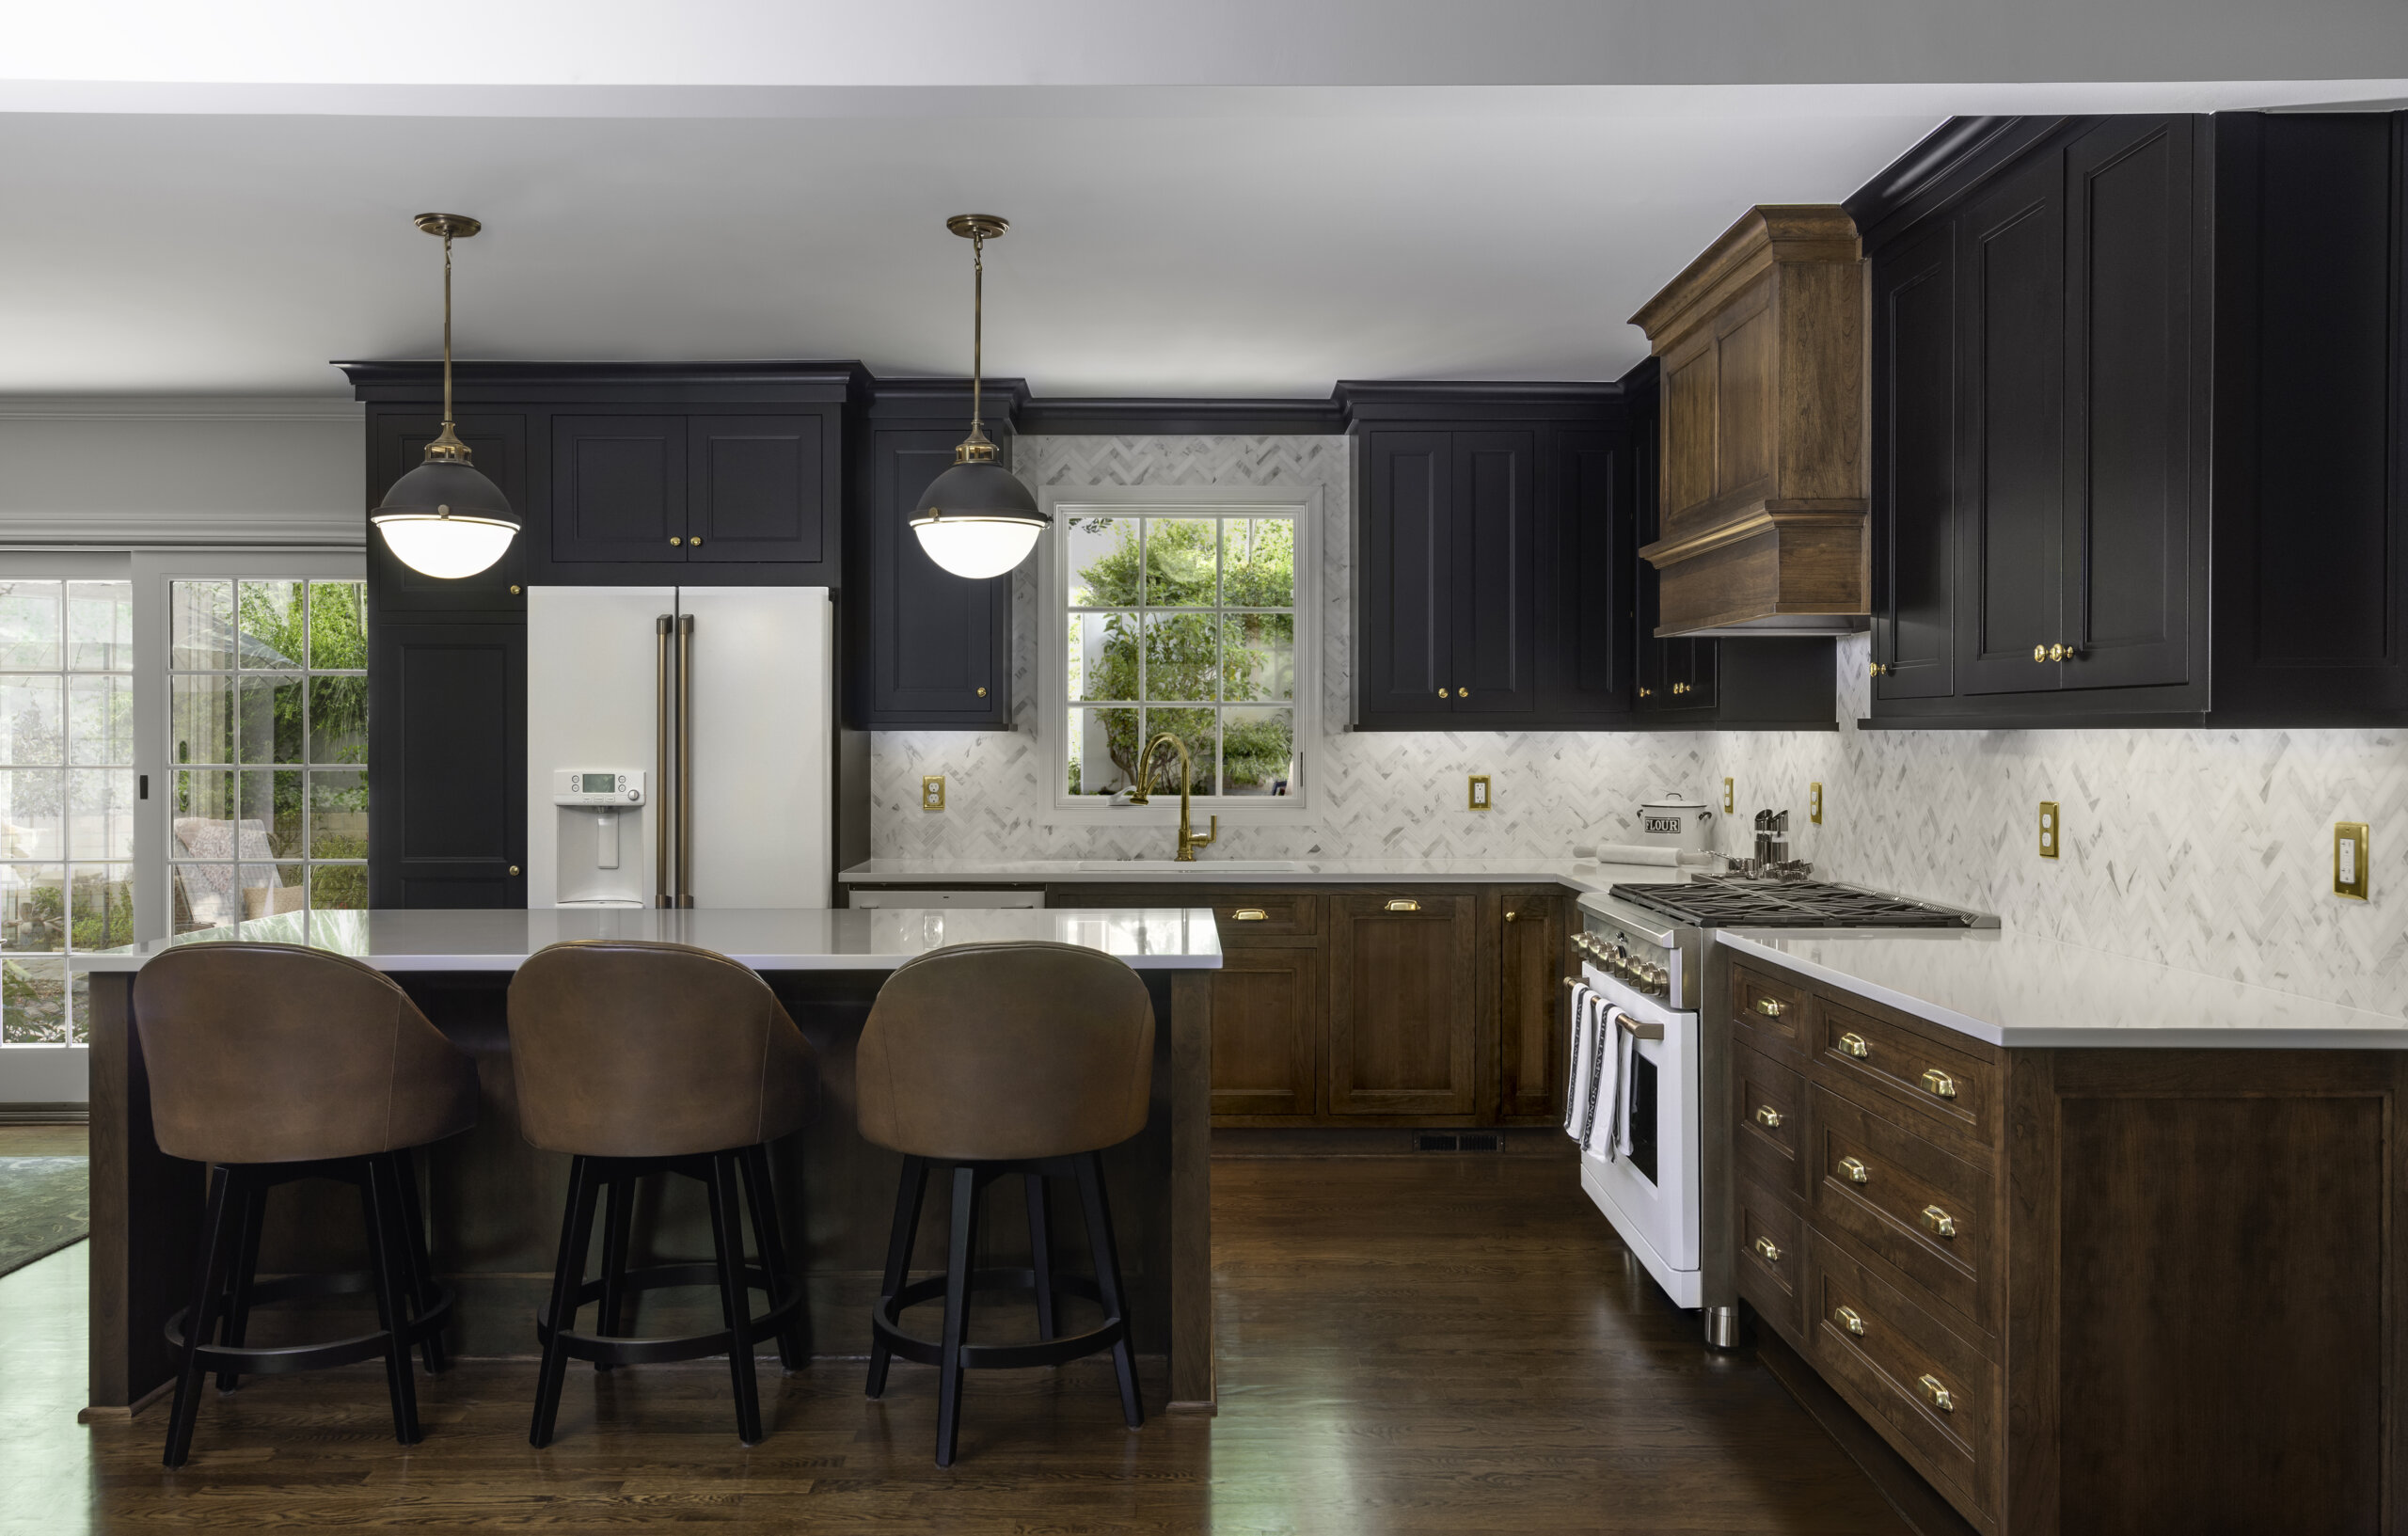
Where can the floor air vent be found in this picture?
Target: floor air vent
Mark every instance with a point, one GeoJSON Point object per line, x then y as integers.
{"type": "Point", "coordinates": [1457, 1141]}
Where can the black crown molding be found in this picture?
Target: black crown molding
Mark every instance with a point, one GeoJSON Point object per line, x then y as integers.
{"type": "Point", "coordinates": [1948, 162]}
{"type": "Point", "coordinates": [420, 380]}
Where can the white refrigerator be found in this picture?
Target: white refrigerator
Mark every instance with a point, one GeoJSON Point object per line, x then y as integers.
{"type": "Point", "coordinates": [680, 746]}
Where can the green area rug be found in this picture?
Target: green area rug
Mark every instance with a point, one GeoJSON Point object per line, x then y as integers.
{"type": "Point", "coordinates": [45, 1204]}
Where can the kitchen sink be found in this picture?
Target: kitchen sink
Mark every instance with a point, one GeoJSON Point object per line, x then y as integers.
{"type": "Point", "coordinates": [1202, 867]}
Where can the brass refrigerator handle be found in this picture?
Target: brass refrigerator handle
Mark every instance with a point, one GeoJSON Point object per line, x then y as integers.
{"type": "Point", "coordinates": [685, 758]}
{"type": "Point", "coordinates": [662, 628]}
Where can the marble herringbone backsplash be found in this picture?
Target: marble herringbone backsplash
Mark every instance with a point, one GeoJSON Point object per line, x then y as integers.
{"type": "Point", "coordinates": [2206, 849]}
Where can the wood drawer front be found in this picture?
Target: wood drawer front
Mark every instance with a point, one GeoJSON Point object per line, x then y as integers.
{"type": "Point", "coordinates": [1775, 1007]}
{"type": "Point", "coordinates": [1960, 1091]}
{"type": "Point", "coordinates": [1904, 1176]}
{"type": "Point", "coordinates": [1769, 1120]}
{"type": "Point", "coordinates": [1251, 919]}
{"type": "Point", "coordinates": [1773, 1256]}
{"type": "Point", "coordinates": [1883, 1371]}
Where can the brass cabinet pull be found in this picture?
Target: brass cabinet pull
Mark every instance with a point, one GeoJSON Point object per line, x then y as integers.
{"type": "Point", "coordinates": [1940, 1221]}
{"type": "Point", "coordinates": [1938, 1084]}
{"type": "Point", "coordinates": [1768, 1117]}
{"type": "Point", "coordinates": [1857, 1172]}
{"type": "Point", "coordinates": [1770, 1249]}
{"type": "Point", "coordinates": [1511, 916]}
{"type": "Point", "coordinates": [2062, 653]}
{"type": "Point", "coordinates": [1880, 668]}
{"type": "Point", "coordinates": [674, 539]}
{"type": "Point", "coordinates": [1250, 915]}
{"type": "Point", "coordinates": [1849, 1318]}
{"type": "Point", "coordinates": [1463, 693]}
{"type": "Point", "coordinates": [982, 691]}
{"type": "Point", "coordinates": [1404, 904]}
{"type": "Point", "coordinates": [1852, 1044]}
{"type": "Point", "coordinates": [1647, 694]}
{"type": "Point", "coordinates": [1771, 1008]}
{"type": "Point", "coordinates": [695, 542]}
{"type": "Point", "coordinates": [2039, 653]}
{"type": "Point", "coordinates": [514, 869]}
{"type": "Point", "coordinates": [1937, 1395]}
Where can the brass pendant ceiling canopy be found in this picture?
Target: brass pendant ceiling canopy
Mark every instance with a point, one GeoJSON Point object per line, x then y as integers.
{"type": "Point", "coordinates": [444, 519]}
{"type": "Point", "coordinates": [976, 520]}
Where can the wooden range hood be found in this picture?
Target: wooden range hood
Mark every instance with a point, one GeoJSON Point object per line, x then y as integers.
{"type": "Point", "coordinates": [1764, 526]}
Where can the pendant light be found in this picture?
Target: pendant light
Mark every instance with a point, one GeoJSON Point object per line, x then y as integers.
{"type": "Point", "coordinates": [444, 519]}
{"type": "Point", "coordinates": [977, 520]}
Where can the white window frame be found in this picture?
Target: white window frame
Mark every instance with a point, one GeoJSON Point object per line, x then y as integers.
{"type": "Point", "coordinates": [1304, 503]}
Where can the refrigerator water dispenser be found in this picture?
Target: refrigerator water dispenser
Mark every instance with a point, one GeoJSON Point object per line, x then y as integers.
{"type": "Point", "coordinates": [592, 806]}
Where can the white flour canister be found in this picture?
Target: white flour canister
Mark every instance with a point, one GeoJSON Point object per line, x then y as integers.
{"type": "Point", "coordinates": [1675, 821]}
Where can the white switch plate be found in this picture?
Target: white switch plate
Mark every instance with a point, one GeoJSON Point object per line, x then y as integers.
{"type": "Point", "coordinates": [932, 792]}
{"type": "Point", "coordinates": [1479, 792]}
{"type": "Point", "coordinates": [2350, 859]}
{"type": "Point", "coordinates": [2051, 830]}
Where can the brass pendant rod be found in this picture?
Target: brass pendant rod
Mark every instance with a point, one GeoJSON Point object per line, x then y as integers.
{"type": "Point", "coordinates": [977, 324]}
{"type": "Point", "coordinates": [447, 329]}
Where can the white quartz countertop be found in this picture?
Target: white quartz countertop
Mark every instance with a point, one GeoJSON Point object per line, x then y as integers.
{"type": "Point", "coordinates": [1579, 874]}
{"type": "Point", "coordinates": [2021, 989]}
{"type": "Point", "coordinates": [1149, 939]}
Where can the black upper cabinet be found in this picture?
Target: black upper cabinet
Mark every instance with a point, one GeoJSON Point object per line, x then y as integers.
{"type": "Point", "coordinates": [1492, 534]}
{"type": "Point", "coordinates": [762, 488]}
{"type": "Point", "coordinates": [926, 649]}
{"type": "Point", "coordinates": [1404, 666]}
{"type": "Point", "coordinates": [2174, 336]}
{"type": "Point", "coordinates": [446, 757]}
{"type": "Point", "coordinates": [1586, 556]}
{"type": "Point", "coordinates": [618, 488]}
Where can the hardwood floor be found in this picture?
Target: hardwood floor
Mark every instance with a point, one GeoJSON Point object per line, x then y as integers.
{"type": "Point", "coordinates": [44, 1141]}
{"type": "Point", "coordinates": [1442, 1343]}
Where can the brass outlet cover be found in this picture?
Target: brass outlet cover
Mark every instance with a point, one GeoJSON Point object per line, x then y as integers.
{"type": "Point", "coordinates": [1814, 802]}
{"type": "Point", "coordinates": [1477, 796]}
{"type": "Point", "coordinates": [2053, 830]}
{"type": "Point", "coordinates": [1729, 798]}
{"type": "Point", "coordinates": [932, 792]}
{"type": "Point", "coordinates": [2350, 859]}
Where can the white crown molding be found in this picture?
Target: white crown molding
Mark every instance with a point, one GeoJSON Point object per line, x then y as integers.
{"type": "Point", "coordinates": [142, 530]}
{"type": "Point", "coordinates": [177, 409]}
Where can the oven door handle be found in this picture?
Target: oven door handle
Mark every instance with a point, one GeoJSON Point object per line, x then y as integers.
{"type": "Point", "coordinates": [1639, 1029]}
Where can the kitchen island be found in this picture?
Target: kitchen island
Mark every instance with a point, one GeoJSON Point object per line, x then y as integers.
{"type": "Point", "coordinates": [494, 1203]}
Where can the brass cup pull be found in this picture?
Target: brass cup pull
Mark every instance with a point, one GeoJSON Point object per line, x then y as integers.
{"type": "Point", "coordinates": [1936, 1394]}
{"type": "Point", "coordinates": [1771, 1008]}
{"type": "Point", "coordinates": [1250, 915]}
{"type": "Point", "coordinates": [1768, 1118]}
{"type": "Point", "coordinates": [1938, 1084]}
{"type": "Point", "coordinates": [1852, 1044]}
{"type": "Point", "coordinates": [1940, 1221]}
{"type": "Point", "coordinates": [1770, 1249]}
{"type": "Point", "coordinates": [1404, 904]}
{"type": "Point", "coordinates": [1857, 1172]}
{"type": "Point", "coordinates": [1849, 1318]}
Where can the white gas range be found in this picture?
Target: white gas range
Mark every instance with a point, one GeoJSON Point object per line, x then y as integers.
{"type": "Point", "coordinates": [1649, 950]}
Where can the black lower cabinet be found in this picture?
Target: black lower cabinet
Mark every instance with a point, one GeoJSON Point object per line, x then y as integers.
{"type": "Point", "coordinates": [447, 821]}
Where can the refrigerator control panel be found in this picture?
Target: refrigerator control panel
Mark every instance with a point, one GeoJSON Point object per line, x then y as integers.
{"type": "Point", "coordinates": [598, 787]}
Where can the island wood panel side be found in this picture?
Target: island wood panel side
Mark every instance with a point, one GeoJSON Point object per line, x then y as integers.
{"type": "Point", "coordinates": [1193, 1386]}
{"type": "Point", "coordinates": [146, 1211]}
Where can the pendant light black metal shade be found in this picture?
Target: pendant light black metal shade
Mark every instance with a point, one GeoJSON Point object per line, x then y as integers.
{"type": "Point", "coordinates": [978, 519]}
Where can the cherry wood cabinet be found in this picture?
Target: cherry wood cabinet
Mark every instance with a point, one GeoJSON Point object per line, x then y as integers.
{"type": "Point", "coordinates": [1401, 996]}
{"type": "Point", "coordinates": [1533, 1021]}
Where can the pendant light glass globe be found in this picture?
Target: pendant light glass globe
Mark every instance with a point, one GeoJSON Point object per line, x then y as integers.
{"type": "Point", "coordinates": [976, 520]}
{"type": "Point", "coordinates": [444, 519]}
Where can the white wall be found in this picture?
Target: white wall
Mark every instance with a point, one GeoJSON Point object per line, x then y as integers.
{"type": "Point", "coordinates": [147, 470]}
{"type": "Point", "coordinates": [2207, 849]}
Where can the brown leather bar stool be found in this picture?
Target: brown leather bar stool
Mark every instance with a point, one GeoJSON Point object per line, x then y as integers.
{"type": "Point", "coordinates": [636, 1059]}
{"type": "Point", "coordinates": [273, 1063]}
{"type": "Point", "coordinates": [1000, 1059]}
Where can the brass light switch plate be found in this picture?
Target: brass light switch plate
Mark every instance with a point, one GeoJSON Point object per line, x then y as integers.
{"type": "Point", "coordinates": [2052, 829]}
{"type": "Point", "coordinates": [932, 792]}
{"type": "Point", "coordinates": [1479, 801]}
{"type": "Point", "coordinates": [2350, 859]}
{"type": "Point", "coordinates": [1814, 802]}
{"type": "Point", "coordinates": [1729, 801]}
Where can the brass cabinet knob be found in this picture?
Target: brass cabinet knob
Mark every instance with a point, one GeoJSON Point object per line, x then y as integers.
{"type": "Point", "coordinates": [1463, 693]}
{"type": "Point", "coordinates": [982, 691]}
{"type": "Point", "coordinates": [1404, 904]}
{"type": "Point", "coordinates": [514, 869]}
{"type": "Point", "coordinates": [2039, 653]}
{"type": "Point", "coordinates": [1771, 1008]}
{"type": "Point", "coordinates": [1936, 1394]}
{"type": "Point", "coordinates": [1852, 1044]}
{"type": "Point", "coordinates": [2062, 653]}
{"type": "Point", "coordinates": [1512, 916]}
{"type": "Point", "coordinates": [1940, 1221]}
{"type": "Point", "coordinates": [1938, 1084]}
{"type": "Point", "coordinates": [1850, 1318]}
{"type": "Point", "coordinates": [1647, 694]}
{"type": "Point", "coordinates": [695, 542]}
{"type": "Point", "coordinates": [513, 592]}
{"type": "Point", "coordinates": [674, 539]}
{"type": "Point", "coordinates": [1770, 1249]}
{"type": "Point", "coordinates": [1880, 668]}
{"type": "Point", "coordinates": [1768, 1118]}
{"type": "Point", "coordinates": [1442, 694]}
{"type": "Point", "coordinates": [1250, 915]}
{"type": "Point", "coordinates": [1856, 1171]}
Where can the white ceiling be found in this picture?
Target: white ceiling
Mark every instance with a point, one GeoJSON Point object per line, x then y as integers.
{"type": "Point", "coordinates": [206, 208]}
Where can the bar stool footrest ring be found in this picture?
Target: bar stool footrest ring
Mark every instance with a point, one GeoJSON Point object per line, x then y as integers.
{"type": "Point", "coordinates": [618, 1350]}
{"type": "Point", "coordinates": [886, 1322]}
{"type": "Point", "coordinates": [249, 1361]}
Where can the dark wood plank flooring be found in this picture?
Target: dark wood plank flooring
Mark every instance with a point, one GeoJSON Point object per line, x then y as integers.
{"type": "Point", "coordinates": [1444, 1343]}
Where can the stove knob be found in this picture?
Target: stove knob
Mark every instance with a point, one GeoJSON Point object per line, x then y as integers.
{"type": "Point", "coordinates": [1659, 980]}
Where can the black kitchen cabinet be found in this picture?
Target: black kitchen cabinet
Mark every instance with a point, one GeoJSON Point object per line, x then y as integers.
{"type": "Point", "coordinates": [447, 762]}
{"type": "Point", "coordinates": [2175, 337]}
{"type": "Point", "coordinates": [618, 488]}
{"type": "Point", "coordinates": [1587, 539]}
{"type": "Point", "coordinates": [763, 487]}
{"type": "Point", "coordinates": [927, 650]}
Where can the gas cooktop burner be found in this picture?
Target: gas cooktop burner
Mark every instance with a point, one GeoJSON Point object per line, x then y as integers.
{"type": "Point", "coordinates": [1715, 901]}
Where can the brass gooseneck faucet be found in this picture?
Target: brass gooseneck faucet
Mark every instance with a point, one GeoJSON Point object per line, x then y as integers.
{"type": "Point", "coordinates": [1188, 839]}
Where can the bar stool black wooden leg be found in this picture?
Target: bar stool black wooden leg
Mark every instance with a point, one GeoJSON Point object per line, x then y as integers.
{"type": "Point", "coordinates": [760, 1199]}
{"type": "Point", "coordinates": [559, 1313]}
{"type": "Point", "coordinates": [911, 1193]}
{"type": "Point", "coordinates": [389, 1273]}
{"type": "Point", "coordinates": [1040, 1249]}
{"type": "Point", "coordinates": [736, 1302]}
{"type": "Point", "coordinates": [250, 1205]}
{"type": "Point", "coordinates": [618, 1222]}
{"type": "Point", "coordinates": [209, 1288]}
{"type": "Point", "coordinates": [960, 1262]}
{"type": "Point", "coordinates": [1107, 1280]}
{"type": "Point", "coordinates": [421, 1268]}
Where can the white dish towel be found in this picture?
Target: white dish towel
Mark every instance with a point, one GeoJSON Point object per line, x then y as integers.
{"type": "Point", "coordinates": [1576, 1092]}
{"type": "Point", "coordinates": [1607, 1133]}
